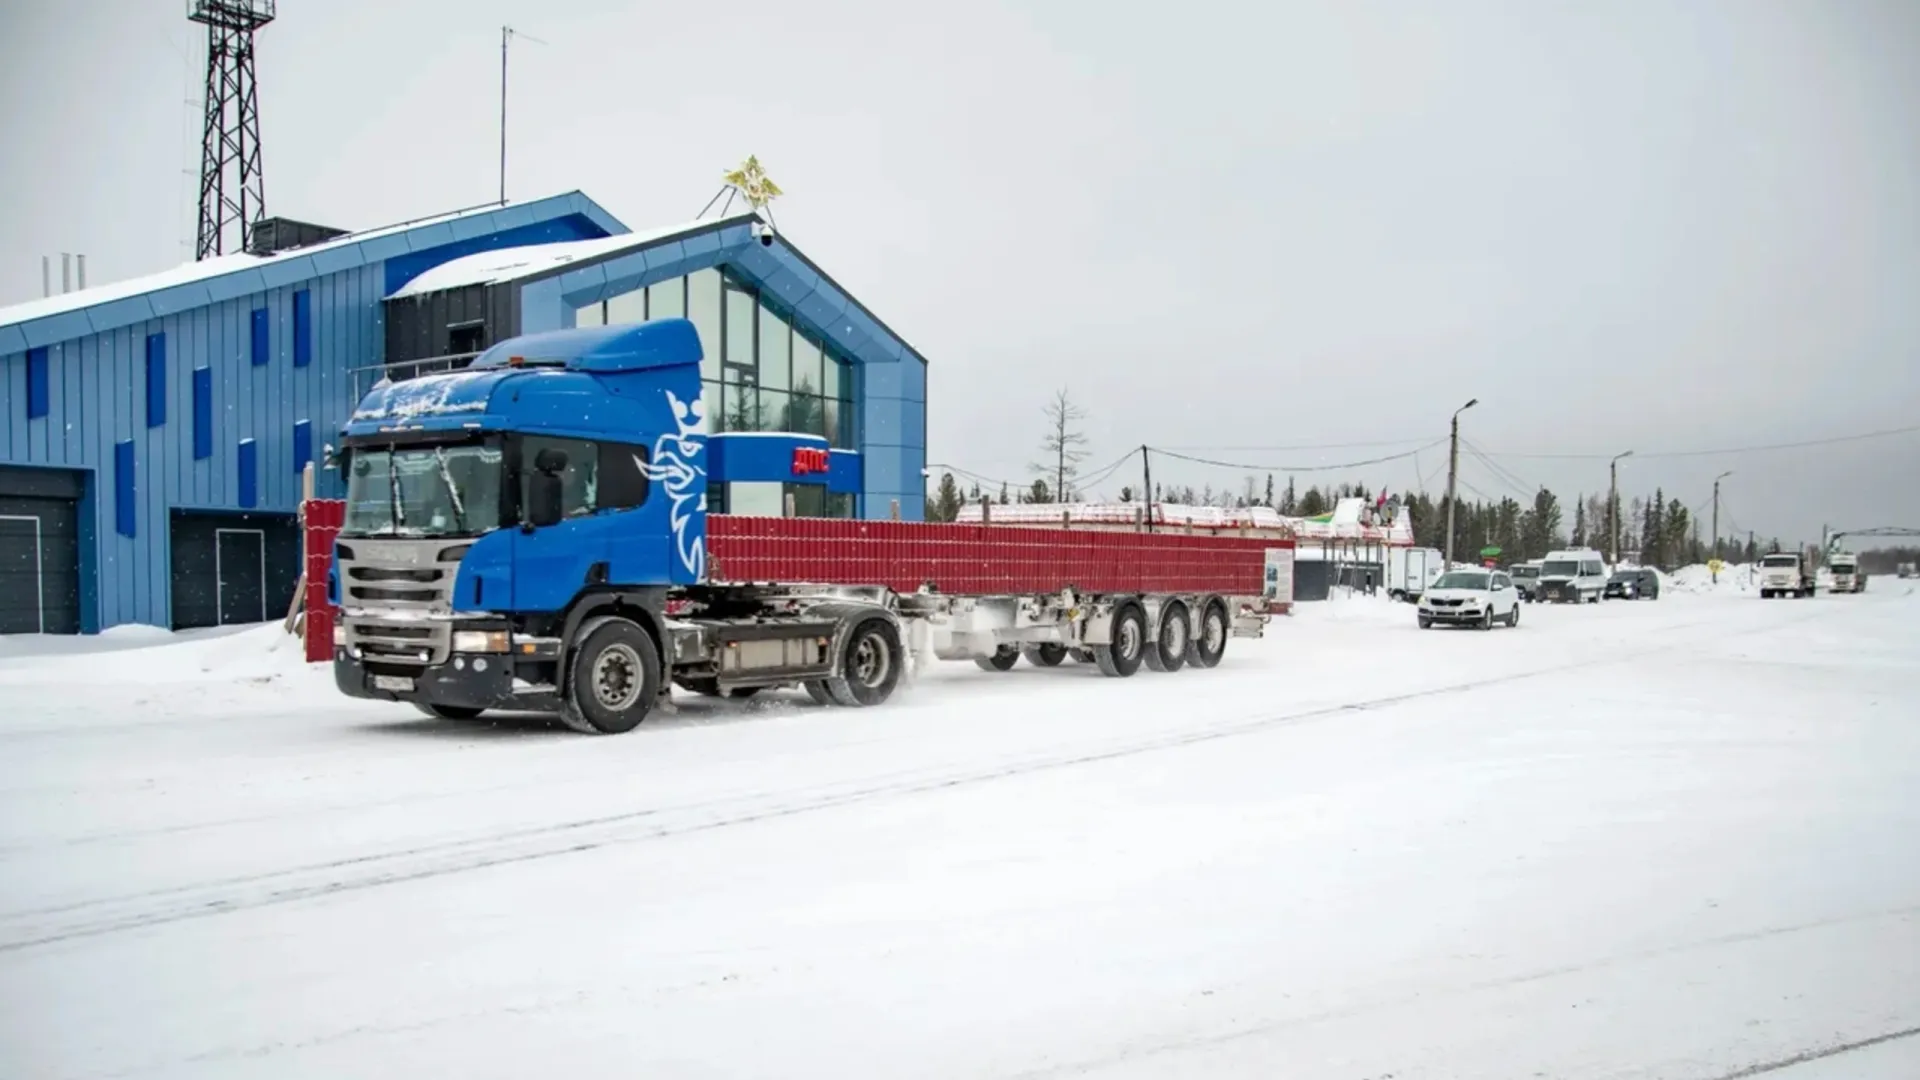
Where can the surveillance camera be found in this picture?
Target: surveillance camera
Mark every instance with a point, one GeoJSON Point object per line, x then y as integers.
{"type": "Point", "coordinates": [763, 232]}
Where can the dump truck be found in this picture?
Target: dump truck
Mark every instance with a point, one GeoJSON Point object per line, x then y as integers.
{"type": "Point", "coordinates": [532, 534]}
{"type": "Point", "coordinates": [1788, 573]}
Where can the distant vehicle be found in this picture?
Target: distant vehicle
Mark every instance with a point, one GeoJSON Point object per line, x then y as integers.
{"type": "Point", "coordinates": [1411, 571]}
{"type": "Point", "coordinates": [1476, 598]}
{"type": "Point", "coordinates": [1526, 580]}
{"type": "Point", "coordinates": [1787, 573]}
{"type": "Point", "coordinates": [1845, 568]}
{"type": "Point", "coordinates": [1573, 576]}
{"type": "Point", "coordinates": [1633, 583]}
{"type": "Point", "coordinates": [1906, 569]}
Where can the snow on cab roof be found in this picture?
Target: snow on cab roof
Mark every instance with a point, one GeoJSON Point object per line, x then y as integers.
{"type": "Point", "coordinates": [514, 264]}
{"type": "Point", "coordinates": [220, 265]}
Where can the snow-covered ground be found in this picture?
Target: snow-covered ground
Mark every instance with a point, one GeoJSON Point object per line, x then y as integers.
{"type": "Point", "coordinates": [1667, 839]}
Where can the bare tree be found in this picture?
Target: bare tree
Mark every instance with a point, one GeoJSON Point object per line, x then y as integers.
{"type": "Point", "coordinates": [1062, 447]}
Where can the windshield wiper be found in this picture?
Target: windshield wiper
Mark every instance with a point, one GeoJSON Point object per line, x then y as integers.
{"type": "Point", "coordinates": [453, 489]}
{"type": "Point", "coordinates": [393, 494]}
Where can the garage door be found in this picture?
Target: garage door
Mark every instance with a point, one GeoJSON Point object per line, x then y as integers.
{"type": "Point", "coordinates": [39, 552]}
{"type": "Point", "coordinates": [232, 568]}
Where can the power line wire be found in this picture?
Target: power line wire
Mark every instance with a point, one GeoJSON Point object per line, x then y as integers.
{"type": "Point", "coordinates": [1303, 446]}
{"type": "Point", "coordinates": [1887, 433]}
{"type": "Point", "coordinates": [1244, 467]}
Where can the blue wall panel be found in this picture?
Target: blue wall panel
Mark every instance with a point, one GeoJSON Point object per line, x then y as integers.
{"type": "Point", "coordinates": [247, 472]}
{"type": "Point", "coordinates": [260, 329]}
{"type": "Point", "coordinates": [36, 369]}
{"type": "Point", "coordinates": [302, 327]}
{"type": "Point", "coordinates": [302, 444]}
{"type": "Point", "coordinates": [156, 379]}
{"type": "Point", "coordinates": [126, 517]}
{"type": "Point", "coordinates": [202, 413]}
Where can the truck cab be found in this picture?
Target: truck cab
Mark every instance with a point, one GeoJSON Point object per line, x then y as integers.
{"type": "Point", "coordinates": [1844, 567]}
{"type": "Point", "coordinates": [1786, 573]}
{"type": "Point", "coordinates": [482, 505]}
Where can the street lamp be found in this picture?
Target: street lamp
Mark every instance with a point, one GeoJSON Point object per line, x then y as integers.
{"type": "Point", "coordinates": [1713, 559]}
{"type": "Point", "coordinates": [1453, 473]}
{"type": "Point", "coordinates": [1613, 505]}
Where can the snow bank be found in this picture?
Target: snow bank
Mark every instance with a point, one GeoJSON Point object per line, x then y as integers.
{"type": "Point", "coordinates": [122, 655]}
{"type": "Point", "coordinates": [1734, 578]}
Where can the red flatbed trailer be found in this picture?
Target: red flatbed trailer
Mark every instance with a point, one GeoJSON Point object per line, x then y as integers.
{"type": "Point", "coordinates": [994, 593]}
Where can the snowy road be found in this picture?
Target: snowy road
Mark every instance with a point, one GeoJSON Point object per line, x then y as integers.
{"type": "Point", "coordinates": [1670, 840]}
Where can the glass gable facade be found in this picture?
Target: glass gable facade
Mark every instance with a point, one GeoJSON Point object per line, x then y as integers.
{"type": "Point", "coordinates": [760, 371]}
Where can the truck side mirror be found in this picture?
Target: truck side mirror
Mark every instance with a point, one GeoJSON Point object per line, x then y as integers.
{"type": "Point", "coordinates": [543, 499]}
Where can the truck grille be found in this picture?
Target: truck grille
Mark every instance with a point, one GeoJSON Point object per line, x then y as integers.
{"type": "Point", "coordinates": [397, 593]}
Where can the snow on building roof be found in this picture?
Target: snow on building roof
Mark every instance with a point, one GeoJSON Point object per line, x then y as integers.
{"type": "Point", "coordinates": [239, 262]}
{"type": "Point", "coordinates": [514, 264]}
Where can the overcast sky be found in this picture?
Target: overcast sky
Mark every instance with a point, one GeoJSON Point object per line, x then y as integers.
{"type": "Point", "coordinates": [1234, 228]}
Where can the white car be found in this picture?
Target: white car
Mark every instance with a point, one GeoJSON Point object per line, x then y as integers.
{"type": "Point", "coordinates": [1477, 598]}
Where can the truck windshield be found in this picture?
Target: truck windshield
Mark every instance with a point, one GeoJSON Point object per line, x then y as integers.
{"type": "Point", "coordinates": [1780, 560]}
{"type": "Point", "coordinates": [423, 490]}
{"type": "Point", "coordinates": [1525, 571]}
{"type": "Point", "coordinates": [1557, 568]}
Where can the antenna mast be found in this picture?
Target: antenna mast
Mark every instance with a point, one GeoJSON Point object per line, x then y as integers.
{"type": "Point", "coordinates": [230, 138]}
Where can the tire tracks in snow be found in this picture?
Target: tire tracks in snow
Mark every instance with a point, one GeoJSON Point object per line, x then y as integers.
{"type": "Point", "coordinates": [34, 928]}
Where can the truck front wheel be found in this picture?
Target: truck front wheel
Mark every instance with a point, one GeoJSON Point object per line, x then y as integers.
{"type": "Point", "coordinates": [869, 666]}
{"type": "Point", "coordinates": [448, 712]}
{"type": "Point", "coordinates": [614, 680]}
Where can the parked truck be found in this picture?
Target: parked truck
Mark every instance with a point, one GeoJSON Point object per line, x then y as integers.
{"type": "Point", "coordinates": [1411, 571]}
{"type": "Point", "coordinates": [1788, 573]}
{"type": "Point", "coordinates": [532, 534]}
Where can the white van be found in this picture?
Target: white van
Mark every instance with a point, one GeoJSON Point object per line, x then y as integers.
{"type": "Point", "coordinates": [1572, 576]}
{"type": "Point", "coordinates": [1410, 571]}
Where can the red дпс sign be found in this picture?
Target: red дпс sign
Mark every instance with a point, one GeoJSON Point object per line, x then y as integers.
{"type": "Point", "coordinates": [809, 461]}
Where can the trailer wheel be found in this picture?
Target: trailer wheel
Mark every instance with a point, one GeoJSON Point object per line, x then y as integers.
{"type": "Point", "coordinates": [1210, 643]}
{"type": "Point", "coordinates": [614, 679]}
{"type": "Point", "coordinates": [870, 665]}
{"type": "Point", "coordinates": [1168, 651]}
{"type": "Point", "coordinates": [1130, 642]}
{"type": "Point", "coordinates": [817, 690]}
{"type": "Point", "coordinates": [1003, 659]}
{"type": "Point", "coordinates": [1081, 656]}
{"type": "Point", "coordinates": [448, 712]}
{"type": "Point", "coordinates": [1046, 654]}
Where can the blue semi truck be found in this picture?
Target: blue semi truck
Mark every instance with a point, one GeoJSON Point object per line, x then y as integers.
{"type": "Point", "coordinates": [530, 534]}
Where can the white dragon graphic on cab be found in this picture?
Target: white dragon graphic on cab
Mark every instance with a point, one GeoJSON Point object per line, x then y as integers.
{"type": "Point", "coordinates": [679, 466]}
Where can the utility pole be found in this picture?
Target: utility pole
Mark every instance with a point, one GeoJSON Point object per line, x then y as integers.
{"type": "Point", "coordinates": [1146, 469]}
{"type": "Point", "coordinates": [1453, 474]}
{"type": "Point", "coordinates": [1613, 507]}
{"type": "Point", "coordinates": [1714, 558]}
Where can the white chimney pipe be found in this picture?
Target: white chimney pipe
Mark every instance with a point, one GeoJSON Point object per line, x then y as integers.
{"type": "Point", "coordinates": [80, 267]}
{"type": "Point", "coordinates": [66, 272]}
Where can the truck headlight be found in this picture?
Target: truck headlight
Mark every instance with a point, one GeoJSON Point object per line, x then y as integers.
{"type": "Point", "coordinates": [339, 636]}
{"type": "Point", "coordinates": [493, 641]}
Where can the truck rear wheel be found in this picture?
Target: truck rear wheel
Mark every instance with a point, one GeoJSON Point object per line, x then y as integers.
{"type": "Point", "coordinates": [1123, 656]}
{"type": "Point", "coordinates": [817, 690]}
{"type": "Point", "coordinates": [614, 679]}
{"type": "Point", "coordinates": [1003, 659]}
{"type": "Point", "coordinates": [1209, 643]}
{"type": "Point", "coordinates": [869, 665]}
{"type": "Point", "coordinates": [1168, 651]}
{"type": "Point", "coordinates": [1046, 654]}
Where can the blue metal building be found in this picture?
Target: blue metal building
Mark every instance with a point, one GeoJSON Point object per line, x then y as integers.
{"type": "Point", "coordinates": [153, 432]}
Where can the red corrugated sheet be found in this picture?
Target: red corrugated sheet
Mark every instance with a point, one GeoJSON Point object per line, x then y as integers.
{"type": "Point", "coordinates": [981, 559]}
{"type": "Point", "coordinates": [322, 518]}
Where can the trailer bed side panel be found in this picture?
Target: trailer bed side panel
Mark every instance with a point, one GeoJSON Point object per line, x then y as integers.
{"type": "Point", "coordinates": [983, 560]}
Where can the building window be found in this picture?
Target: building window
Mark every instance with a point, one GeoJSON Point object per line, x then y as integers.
{"type": "Point", "coordinates": [591, 315]}
{"type": "Point", "coordinates": [202, 413]}
{"type": "Point", "coordinates": [36, 382]}
{"type": "Point", "coordinates": [667, 299]}
{"type": "Point", "coordinates": [776, 350]}
{"type": "Point", "coordinates": [465, 338]}
{"type": "Point", "coordinates": [259, 329]}
{"type": "Point", "coordinates": [627, 308]}
{"type": "Point", "coordinates": [156, 380]}
{"type": "Point", "coordinates": [703, 309]}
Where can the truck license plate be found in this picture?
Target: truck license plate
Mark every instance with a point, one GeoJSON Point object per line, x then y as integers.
{"type": "Point", "coordinates": [396, 683]}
